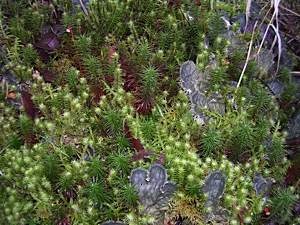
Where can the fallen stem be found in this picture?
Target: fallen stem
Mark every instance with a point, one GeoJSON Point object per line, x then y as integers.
{"type": "Point", "coordinates": [248, 57]}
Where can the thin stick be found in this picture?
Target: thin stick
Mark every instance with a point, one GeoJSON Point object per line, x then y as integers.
{"type": "Point", "coordinates": [248, 8]}
{"type": "Point", "coordinates": [275, 5]}
{"type": "Point", "coordinates": [83, 8]}
{"type": "Point", "coordinates": [248, 57]}
{"type": "Point", "coordinates": [266, 32]}
{"type": "Point", "coordinates": [296, 73]}
{"type": "Point", "coordinates": [266, 15]}
{"type": "Point", "coordinates": [291, 11]}
{"type": "Point", "coordinates": [279, 46]}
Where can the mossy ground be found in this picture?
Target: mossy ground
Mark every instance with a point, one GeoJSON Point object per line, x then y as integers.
{"type": "Point", "coordinates": [90, 93]}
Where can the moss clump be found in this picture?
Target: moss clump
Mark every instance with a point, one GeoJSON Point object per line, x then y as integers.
{"type": "Point", "coordinates": [91, 93]}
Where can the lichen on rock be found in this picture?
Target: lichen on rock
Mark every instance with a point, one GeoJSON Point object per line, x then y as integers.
{"type": "Point", "coordinates": [154, 190]}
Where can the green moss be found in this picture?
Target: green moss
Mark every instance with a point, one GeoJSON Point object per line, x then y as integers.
{"type": "Point", "coordinates": [73, 159]}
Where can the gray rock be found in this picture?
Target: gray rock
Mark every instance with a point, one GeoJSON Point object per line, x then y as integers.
{"type": "Point", "coordinates": [188, 76]}
{"type": "Point", "coordinates": [198, 99]}
{"type": "Point", "coordinates": [218, 216]}
{"type": "Point", "coordinates": [8, 77]}
{"type": "Point", "coordinates": [296, 81]}
{"type": "Point", "coordinates": [199, 102]}
{"type": "Point", "coordinates": [294, 127]}
{"type": "Point", "coordinates": [214, 186]}
{"type": "Point", "coordinates": [215, 103]}
{"type": "Point", "coordinates": [261, 185]}
{"type": "Point", "coordinates": [196, 85]}
{"type": "Point", "coordinates": [276, 87]}
{"type": "Point", "coordinates": [112, 223]}
{"type": "Point", "coordinates": [265, 61]}
{"type": "Point", "coordinates": [154, 191]}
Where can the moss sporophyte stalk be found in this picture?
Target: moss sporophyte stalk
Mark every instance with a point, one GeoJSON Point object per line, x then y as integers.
{"type": "Point", "coordinates": [149, 112]}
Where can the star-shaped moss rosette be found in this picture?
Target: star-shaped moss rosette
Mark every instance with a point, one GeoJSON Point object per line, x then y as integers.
{"type": "Point", "coordinates": [195, 84]}
{"type": "Point", "coordinates": [154, 190]}
{"type": "Point", "coordinates": [213, 188]}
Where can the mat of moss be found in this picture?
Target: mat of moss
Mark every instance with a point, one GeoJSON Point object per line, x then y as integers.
{"type": "Point", "coordinates": [148, 112]}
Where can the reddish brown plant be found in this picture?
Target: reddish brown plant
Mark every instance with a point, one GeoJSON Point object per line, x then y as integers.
{"type": "Point", "coordinates": [48, 75]}
{"type": "Point", "coordinates": [29, 107]}
{"type": "Point", "coordinates": [174, 3]}
{"type": "Point", "coordinates": [140, 152]}
{"type": "Point", "coordinates": [64, 221]}
{"type": "Point", "coordinates": [143, 104]}
{"type": "Point", "coordinates": [97, 92]}
{"type": "Point", "coordinates": [197, 2]}
{"type": "Point", "coordinates": [129, 75]}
